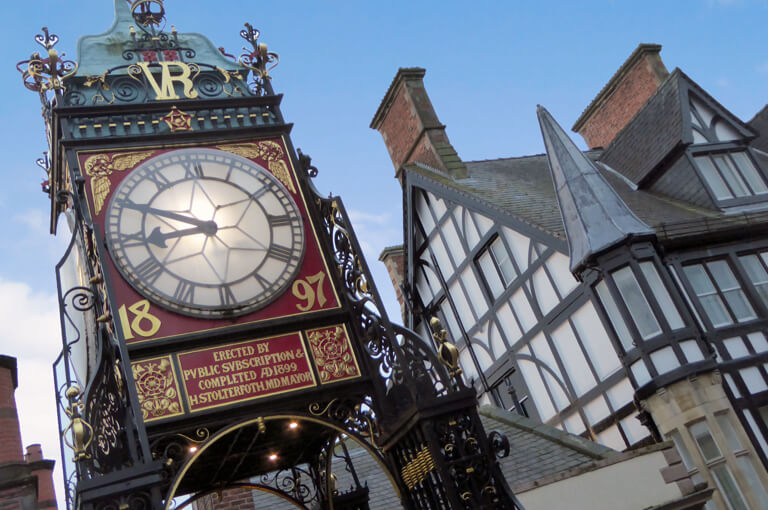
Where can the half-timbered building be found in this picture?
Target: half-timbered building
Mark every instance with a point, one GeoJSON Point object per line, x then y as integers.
{"type": "Point", "coordinates": [618, 293]}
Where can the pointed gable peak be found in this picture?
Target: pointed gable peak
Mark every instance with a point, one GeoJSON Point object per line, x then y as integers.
{"type": "Point", "coordinates": [594, 216]}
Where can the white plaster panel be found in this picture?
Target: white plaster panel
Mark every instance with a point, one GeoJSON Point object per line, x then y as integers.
{"type": "Point", "coordinates": [519, 244]}
{"type": "Point", "coordinates": [692, 351]}
{"type": "Point", "coordinates": [596, 342]}
{"type": "Point", "coordinates": [620, 394]}
{"type": "Point", "coordinates": [559, 267]}
{"type": "Point", "coordinates": [423, 214]}
{"type": "Point", "coordinates": [509, 323]}
{"type": "Point", "coordinates": [523, 310]}
{"type": "Point", "coordinates": [664, 360]}
{"type": "Point", "coordinates": [545, 294]}
{"type": "Point", "coordinates": [538, 391]}
{"type": "Point", "coordinates": [438, 205]}
{"type": "Point", "coordinates": [573, 358]}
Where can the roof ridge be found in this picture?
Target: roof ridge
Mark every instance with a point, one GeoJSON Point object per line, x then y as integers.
{"type": "Point", "coordinates": [524, 157]}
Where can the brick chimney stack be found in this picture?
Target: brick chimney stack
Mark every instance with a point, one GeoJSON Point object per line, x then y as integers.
{"type": "Point", "coordinates": [10, 434]}
{"type": "Point", "coordinates": [26, 481]}
{"type": "Point", "coordinates": [410, 127]}
{"type": "Point", "coordinates": [393, 258]}
{"type": "Point", "coordinates": [626, 92]}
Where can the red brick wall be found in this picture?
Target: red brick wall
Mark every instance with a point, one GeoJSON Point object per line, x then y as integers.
{"type": "Point", "coordinates": [43, 470]}
{"type": "Point", "coordinates": [402, 126]}
{"type": "Point", "coordinates": [19, 497]}
{"type": "Point", "coordinates": [231, 499]}
{"type": "Point", "coordinates": [394, 260]}
{"type": "Point", "coordinates": [10, 435]}
{"type": "Point", "coordinates": [634, 90]}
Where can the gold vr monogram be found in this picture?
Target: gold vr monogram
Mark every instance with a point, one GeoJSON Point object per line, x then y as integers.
{"type": "Point", "coordinates": [166, 89]}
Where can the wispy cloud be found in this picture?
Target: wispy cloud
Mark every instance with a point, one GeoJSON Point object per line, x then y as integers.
{"type": "Point", "coordinates": [35, 219]}
{"type": "Point", "coordinates": [723, 82]}
{"type": "Point", "coordinates": [359, 216]}
{"type": "Point", "coordinates": [29, 331]}
{"type": "Point", "coordinates": [762, 67]}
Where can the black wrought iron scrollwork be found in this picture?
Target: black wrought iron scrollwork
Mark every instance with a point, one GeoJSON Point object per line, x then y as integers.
{"type": "Point", "coordinates": [402, 359]}
{"type": "Point", "coordinates": [138, 500]}
{"type": "Point", "coordinates": [106, 412]}
{"type": "Point", "coordinates": [355, 415]}
{"type": "Point", "coordinates": [45, 74]}
{"type": "Point", "coordinates": [469, 459]}
{"type": "Point", "coordinates": [259, 60]}
{"type": "Point", "coordinates": [305, 162]}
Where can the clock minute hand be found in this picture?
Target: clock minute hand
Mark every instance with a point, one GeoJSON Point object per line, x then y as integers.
{"type": "Point", "coordinates": [158, 238]}
{"type": "Point", "coordinates": [168, 214]}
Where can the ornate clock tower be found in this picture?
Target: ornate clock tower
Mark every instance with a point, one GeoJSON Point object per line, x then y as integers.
{"type": "Point", "coordinates": [220, 325]}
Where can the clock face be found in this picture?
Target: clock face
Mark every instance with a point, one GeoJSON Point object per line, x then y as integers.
{"type": "Point", "coordinates": [205, 233]}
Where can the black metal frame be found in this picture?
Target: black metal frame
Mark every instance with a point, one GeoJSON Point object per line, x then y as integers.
{"type": "Point", "coordinates": [409, 403]}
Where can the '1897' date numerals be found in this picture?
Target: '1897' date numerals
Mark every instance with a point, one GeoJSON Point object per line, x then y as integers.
{"type": "Point", "coordinates": [143, 323]}
{"type": "Point", "coordinates": [302, 290]}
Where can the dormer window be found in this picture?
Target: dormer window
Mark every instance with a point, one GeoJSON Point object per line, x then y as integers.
{"type": "Point", "coordinates": [731, 176]}
{"type": "Point", "coordinates": [708, 126]}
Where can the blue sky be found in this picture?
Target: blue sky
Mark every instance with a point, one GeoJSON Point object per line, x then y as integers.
{"type": "Point", "coordinates": [488, 66]}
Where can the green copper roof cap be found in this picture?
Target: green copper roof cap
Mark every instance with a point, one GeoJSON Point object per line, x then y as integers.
{"type": "Point", "coordinates": [117, 47]}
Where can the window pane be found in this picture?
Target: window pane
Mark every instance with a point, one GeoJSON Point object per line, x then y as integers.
{"type": "Point", "coordinates": [748, 469]}
{"type": "Point", "coordinates": [503, 260]}
{"type": "Point", "coordinates": [731, 175]}
{"type": "Point", "coordinates": [729, 432]}
{"type": "Point", "coordinates": [491, 275]}
{"type": "Point", "coordinates": [638, 307]}
{"type": "Point", "coordinates": [705, 441]}
{"type": "Point", "coordinates": [713, 306]}
{"type": "Point", "coordinates": [728, 487]}
{"type": "Point", "coordinates": [757, 275]}
{"type": "Point", "coordinates": [731, 290]}
{"type": "Point", "coordinates": [615, 317]}
{"type": "Point", "coordinates": [750, 173]}
{"type": "Point", "coordinates": [682, 449]}
{"type": "Point", "coordinates": [662, 296]}
{"type": "Point", "coordinates": [713, 178]}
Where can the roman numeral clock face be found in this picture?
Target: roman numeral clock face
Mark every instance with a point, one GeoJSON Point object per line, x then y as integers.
{"type": "Point", "coordinates": [205, 233]}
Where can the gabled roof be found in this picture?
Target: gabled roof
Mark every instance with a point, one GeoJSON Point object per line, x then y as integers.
{"type": "Point", "coordinates": [522, 188]}
{"type": "Point", "coordinates": [659, 127]}
{"type": "Point", "coordinates": [594, 217]}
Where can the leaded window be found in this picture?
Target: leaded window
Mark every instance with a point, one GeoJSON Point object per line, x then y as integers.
{"type": "Point", "coordinates": [756, 267]}
{"type": "Point", "coordinates": [638, 305]}
{"type": "Point", "coordinates": [497, 267]}
{"type": "Point", "coordinates": [719, 293]}
{"type": "Point", "coordinates": [731, 175]}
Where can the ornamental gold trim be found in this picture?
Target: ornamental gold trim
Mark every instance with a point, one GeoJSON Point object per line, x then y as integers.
{"type": "Point", "coordinates": [332, 353]}
{"type": "Point", "coordinates": [157, 387]}
{"type": "Point", "coordinates": [100, 166]}
{"type": "Point", "coordinates": [418, 468]}
{"type": "Point", "coordinates": [269, 151]}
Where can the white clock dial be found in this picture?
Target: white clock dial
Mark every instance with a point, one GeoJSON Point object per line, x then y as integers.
{"type": "Point", "coordinates": [205, 233]}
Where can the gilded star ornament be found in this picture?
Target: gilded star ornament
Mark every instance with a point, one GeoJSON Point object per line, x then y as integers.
{"type": "Point", "coordinates": [178, 120]}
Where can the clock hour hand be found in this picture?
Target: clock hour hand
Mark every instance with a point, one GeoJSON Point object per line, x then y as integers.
{"type": "Point", "coordinates": [170, 215]}
{"type": "Point", "coordinates": [158, 238]}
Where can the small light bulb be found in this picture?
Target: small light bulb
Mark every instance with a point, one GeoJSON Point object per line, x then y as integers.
{"type": "Point", "coordinates": [272, 456]}
{"type": "Point", "coordinates": [192, 449]}
{"type": "Point", "coordinates": [293, 425]}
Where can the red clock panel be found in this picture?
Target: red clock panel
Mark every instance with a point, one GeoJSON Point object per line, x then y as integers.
{"type": "Point", "coordinates": [204, 238]}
